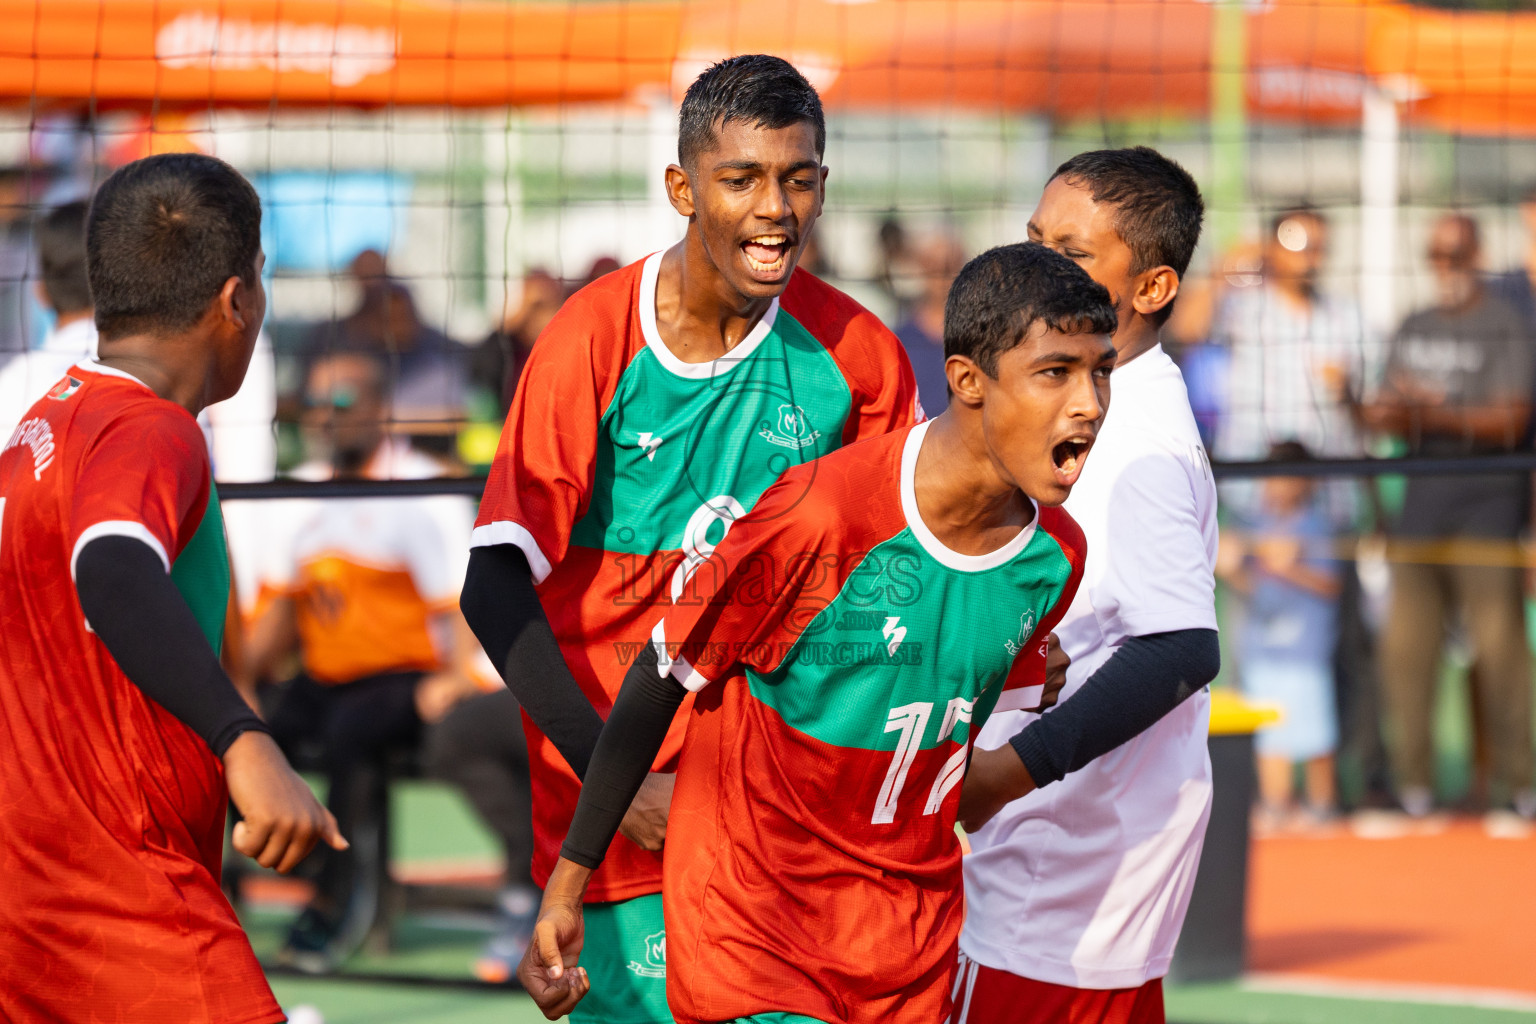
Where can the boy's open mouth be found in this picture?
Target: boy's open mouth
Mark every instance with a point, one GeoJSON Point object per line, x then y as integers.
{"type": "Point", "coordinates": [766, 253]}
{"type": "Point", "coordinates": [1068, 457]}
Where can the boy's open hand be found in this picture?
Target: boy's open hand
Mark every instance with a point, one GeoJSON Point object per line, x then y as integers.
{"type": "Point", "coordinates": [548, 972]}
{"type": "Point", "coordinates": [645, 823]}
{"type": "Point", "coordinates": [282, 820]}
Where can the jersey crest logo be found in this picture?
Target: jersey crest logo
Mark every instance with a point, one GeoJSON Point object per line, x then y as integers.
{"type": "Point", "coordinates": [894, 634]}
{"type": "Point", "coordinates": [655, 965]}
{"type": "Point", "coordinates": [1026, 629]}
{"type": "Point", "coordinates": [793, 429]}
{"type": "Point", "coordinates": [649, 442]}
{"type": "Point", "coordinates": [64, 388]}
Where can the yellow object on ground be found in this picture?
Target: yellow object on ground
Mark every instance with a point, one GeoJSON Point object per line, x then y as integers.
{"type": "Point", "coordinates": [1232, 714]}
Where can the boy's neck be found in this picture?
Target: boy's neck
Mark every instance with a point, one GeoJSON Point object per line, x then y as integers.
{"type": "Point", "coordinates": [172, 368]}
{"type": "Point", "coordinates": [961, 493]}
{"type": "Point", "coordinates": [1135, 338]}
{"type": "Point", "coordinates": [699, 315]}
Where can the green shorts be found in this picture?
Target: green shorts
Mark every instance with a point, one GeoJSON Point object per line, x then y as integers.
{"type": "Point", "coordinates": [625, 954]}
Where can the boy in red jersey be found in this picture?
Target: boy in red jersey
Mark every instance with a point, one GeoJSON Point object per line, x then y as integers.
{"type": "Point", "coordinates": [122, 733]}
{"type": "Point", "coordinates": [847, 638]}
{"type": "Point", "coordinates": [659, 404]}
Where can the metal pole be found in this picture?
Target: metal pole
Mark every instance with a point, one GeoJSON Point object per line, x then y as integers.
{"type": "Point", "coordinates": [1229, 121]}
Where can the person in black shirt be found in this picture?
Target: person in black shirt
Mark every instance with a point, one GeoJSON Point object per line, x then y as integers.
{"type": "Point", "coordinates": [1458, 382]}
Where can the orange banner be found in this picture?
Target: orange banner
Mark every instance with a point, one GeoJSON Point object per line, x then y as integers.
{"type": "Point", "coordinates": [1310, 60]}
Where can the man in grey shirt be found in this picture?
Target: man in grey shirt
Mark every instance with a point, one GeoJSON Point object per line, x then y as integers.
{"type": "Point", "coordinates": [1458, 381]}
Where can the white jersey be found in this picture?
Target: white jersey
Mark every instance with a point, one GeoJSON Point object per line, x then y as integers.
{"type": "Point", "coordinates": [1086, 882]}
{"type": "Point", "coordinates": [25, 376]}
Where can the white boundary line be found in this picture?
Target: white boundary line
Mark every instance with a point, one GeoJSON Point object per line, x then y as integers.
{"type": "Point", "coordinates": [1446, 995]}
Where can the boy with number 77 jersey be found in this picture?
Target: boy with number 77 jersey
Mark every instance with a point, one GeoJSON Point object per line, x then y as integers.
{"type": "Point", "coordinates": [854, 629]}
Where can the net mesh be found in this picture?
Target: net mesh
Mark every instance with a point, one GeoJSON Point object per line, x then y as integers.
{"type": "Point", "coordinates": [437, 176]}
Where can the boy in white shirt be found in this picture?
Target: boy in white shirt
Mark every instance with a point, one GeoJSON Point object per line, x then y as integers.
{"type": "Point", "coordinates": [1076, 891]}
{"type": "Point", "coordinates": [62, 286]}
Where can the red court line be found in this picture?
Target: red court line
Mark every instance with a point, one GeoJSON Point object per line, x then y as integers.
{"type": "Point", "coordinates": [1456, 908]}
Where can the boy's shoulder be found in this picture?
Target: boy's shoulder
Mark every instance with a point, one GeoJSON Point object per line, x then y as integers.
{"type": "Point", "coordinates": [853, 492]}
{"type": "Point", "coordinates": [1059, 524]}
{"type": "Point", "coordinates": [834, 318]}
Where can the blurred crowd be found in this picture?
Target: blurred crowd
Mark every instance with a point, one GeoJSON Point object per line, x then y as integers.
{"type": "Point", "coordinates": [1347, 599]}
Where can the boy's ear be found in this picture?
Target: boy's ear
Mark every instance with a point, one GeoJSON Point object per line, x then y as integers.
{"type": "Point", "coordinates": [1155, 288]}
{"type": "Point", "coordinates": [965, 380]}
{"type": "Point", "coordinates": [680, 190]}
{"type": "Point", "coordinates": [231, 307]}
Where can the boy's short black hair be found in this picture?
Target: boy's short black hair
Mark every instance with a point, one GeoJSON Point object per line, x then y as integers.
{"type": "Point", "coordinates": [758, 88]}
{"type": "Point", "coordinates": [164, 235]}
{"type": "Point", "coordinates": [1004, 292]}
{"type": "Point", "coordinates": [60, 238]}
{"type": "Point", "coordinates": [1158, 209]}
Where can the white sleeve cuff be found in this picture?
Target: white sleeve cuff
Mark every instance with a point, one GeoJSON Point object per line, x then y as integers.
{"type": "Point", "coordinates": [678, 667]}
{"type": "Point", "coordinates": [118, 528]}
{"type": "Point", "coordinates": [507, 532]}
{"type": "Point", "coordinates": [1020, 698]}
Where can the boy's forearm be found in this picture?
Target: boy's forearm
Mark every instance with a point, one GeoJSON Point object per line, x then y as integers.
{"type": "Point", "coordinates": [143, 621]}
{"type": "Point", "coordinates": [567, 883]}
{"type": "Point", "coordinates": [631, 738]}
{"type": "Point", "coordinates": [1145, 679]}
{"type": "Point", "coordinates": [502, 607]}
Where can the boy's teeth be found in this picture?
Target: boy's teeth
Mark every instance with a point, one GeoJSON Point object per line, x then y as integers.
{"type": "Point", "coordinates": [765, 252]}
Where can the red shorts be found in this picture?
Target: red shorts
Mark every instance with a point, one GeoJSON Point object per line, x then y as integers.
{"type": "Point", "coordinates": [984, 995]}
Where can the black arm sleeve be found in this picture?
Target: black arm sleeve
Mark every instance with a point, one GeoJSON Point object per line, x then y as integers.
{"type": "Point", "coordinates": [501, 606]}
{"type": "Point", "coordinates": [634, 733]}
{"type": "Point", "coordinates": [1145, 679]}
{"type": "Point", "coordinates": [141, 618]}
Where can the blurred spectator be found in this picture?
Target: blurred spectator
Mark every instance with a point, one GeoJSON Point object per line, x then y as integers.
{"type": "Point", "coordinates": [15, 262]}
{"type": "Point", "coordinates": [1206, 365]}
{"type": "Point", "coordinates": [1296, 350]}
{"type": "Point", "coordinates": [1285, 565]}
{"type": "Point", "coordinates": [365, 590]}
{"type": "Point", "coordinates": [63, 288]}
{"type": "Point", "coordinates": [938, 259]}
{"type": "Point", "coordinates": [1517, 286]}
{"type": "Point", "coordinates": [1458, 381]}
{"type": "Point", "coordinates": [428, 372]}
{"type": "Point", "coordinates": [1298, 354]}
{"type": "Point", "coordinates": [497, 363]}
{"type": "Point", "coordinates": [601, 266]}
{"type": "Point", "coordinates": [895, 269]}
{"type": "Point", "coordinates": [480, 748]}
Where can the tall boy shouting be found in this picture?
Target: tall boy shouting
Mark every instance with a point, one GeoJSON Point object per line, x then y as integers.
{"type": "Point", "coordinates": [661, 403]}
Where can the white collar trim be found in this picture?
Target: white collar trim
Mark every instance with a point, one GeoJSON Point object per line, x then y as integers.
{"type": "Point", "coordinates": [109, 371]}
{"type": "Point", "coordinates": [694, 371]}
{"type": "Point", "coordinates": [943, 555]}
